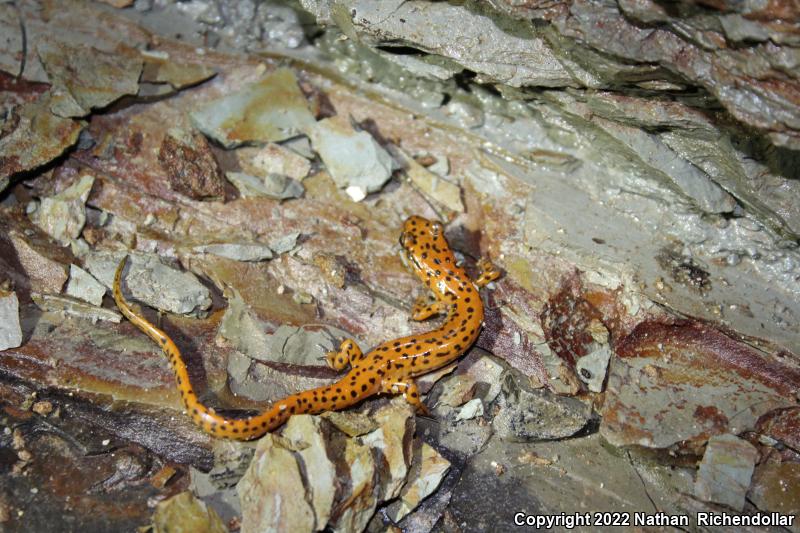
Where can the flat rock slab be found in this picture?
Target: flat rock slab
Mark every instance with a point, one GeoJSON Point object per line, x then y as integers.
{"type": "Point", "coordinates": [684, 383]}
{"type": "Point", "coordinates": [725, 471]}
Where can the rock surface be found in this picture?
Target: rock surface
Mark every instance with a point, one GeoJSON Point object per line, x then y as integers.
{"type": "Point", "coordinates": [631, 167]}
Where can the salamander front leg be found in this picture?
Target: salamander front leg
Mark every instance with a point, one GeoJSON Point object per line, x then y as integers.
{"type": "Point", "coordinates": [488, 272]}
{"type": "Point", "coordinates": [410, 392]}
{"type": "Point", "coordinates": [424, 308]}
{"type": "Point", "coordinates": [348, 354]}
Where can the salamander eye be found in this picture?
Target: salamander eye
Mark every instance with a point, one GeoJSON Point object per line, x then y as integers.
{"type": "Point", "coordinates": [436, 229]}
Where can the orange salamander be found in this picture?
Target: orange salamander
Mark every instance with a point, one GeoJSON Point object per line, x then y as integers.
{"type": "Point", "coordinates": [389, 368]}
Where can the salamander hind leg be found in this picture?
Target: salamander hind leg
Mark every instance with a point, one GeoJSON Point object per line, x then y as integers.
{"type": "Point", "coordinates": [348, 354]}
{"type": "Point", "coordinates": [424, 308]}
{"type": "Point", "coordinates": [488, 272]}
{"type": "Point", "coordinates": [410, 392]}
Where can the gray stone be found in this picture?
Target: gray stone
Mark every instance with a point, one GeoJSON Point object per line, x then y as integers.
{"type": "Point", "coordinates": [272, 109]}
{"type": "Point", "coordinates": [152, 281]}
{"type": "Point", "coordinates": [725, 471]}
{"type": "Point", "coordinates": [68, 306]}
{"type": "Point", "coordinates": [10, 329]}
{"type": "Point", "coordinates": [237, 251]}
{"type": "Point", "coordinates": [63, 215]}
{"type": "Point", "coordinates": [272, 186]}
{"type": "Point", "coordinates": [536, 414]}
{"type": "Point", "coordinates": [355, 161]}
{"type": "Point", "coordinates": [84, 286]}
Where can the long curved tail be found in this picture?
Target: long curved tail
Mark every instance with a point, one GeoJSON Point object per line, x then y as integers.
{"type": "Point", "coordinates": [328, 398]}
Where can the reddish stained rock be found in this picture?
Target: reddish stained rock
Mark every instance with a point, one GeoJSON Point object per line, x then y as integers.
{"type": "Point", "coordinates": [782, 425]}
{"type": "Point", "coordinates": [684, 382]}
{"type": "Point", "coordinates": [29, 258]}
{"type": "Point", "coordinates": [505, 338]}
{"type": "Point", "coordinates": [34, 137]}
{"type": "Point", "coordinates": [565, 321]}
{"type": "Point", "coordinates": [190, 165]}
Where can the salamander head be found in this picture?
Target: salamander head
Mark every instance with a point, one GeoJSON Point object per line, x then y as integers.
{"type": "Point", "coordinates": [425, 247]}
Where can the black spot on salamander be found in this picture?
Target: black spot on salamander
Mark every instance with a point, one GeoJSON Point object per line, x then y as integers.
{"type": "Point", "coordinates": [353, 393]}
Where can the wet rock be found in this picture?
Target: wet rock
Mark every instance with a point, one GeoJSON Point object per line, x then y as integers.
{"type": "Point", "coordinates": [272, 186]}
{"type": "Point", "coordinates": [68, 306]}
{"type": "Point", "coordinates": [84, 286]}
{"type": "Point", "coordinates": [10, 330]}
{"type": "Point", "coordinates": [527, 413]}
{"type": "Point", "coordinates": [34, 136]}
{"type": "Point", "coordinates": [63, 215]}
{"type": "Point", "coordinates": [190, 165]}
{"type": "Point", "coordinates": [515, 58]}
{"type": "Point", "coordinates": [271, 109]}
{"type": "Point", "coordinates": [686, 382]}
{"type": "Point", "coordinates": [152, 282]}
{"type": "Point", "coordinates": [725, 471]}
{"type": "Point", "coordinates": [269, 490]}
{"type": "Point", "coordinates": [354, 159]}
{"type": "Point", "coordinates": [274, 159]}
{"type": "Point", "coordinates": [428, 470]}
{"type": "Point", "coordinates": [185, 513]}
{"type": "Point", "coordinates": [85, 78]}
{"type": "Point", "coordinates": [691, 181]}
